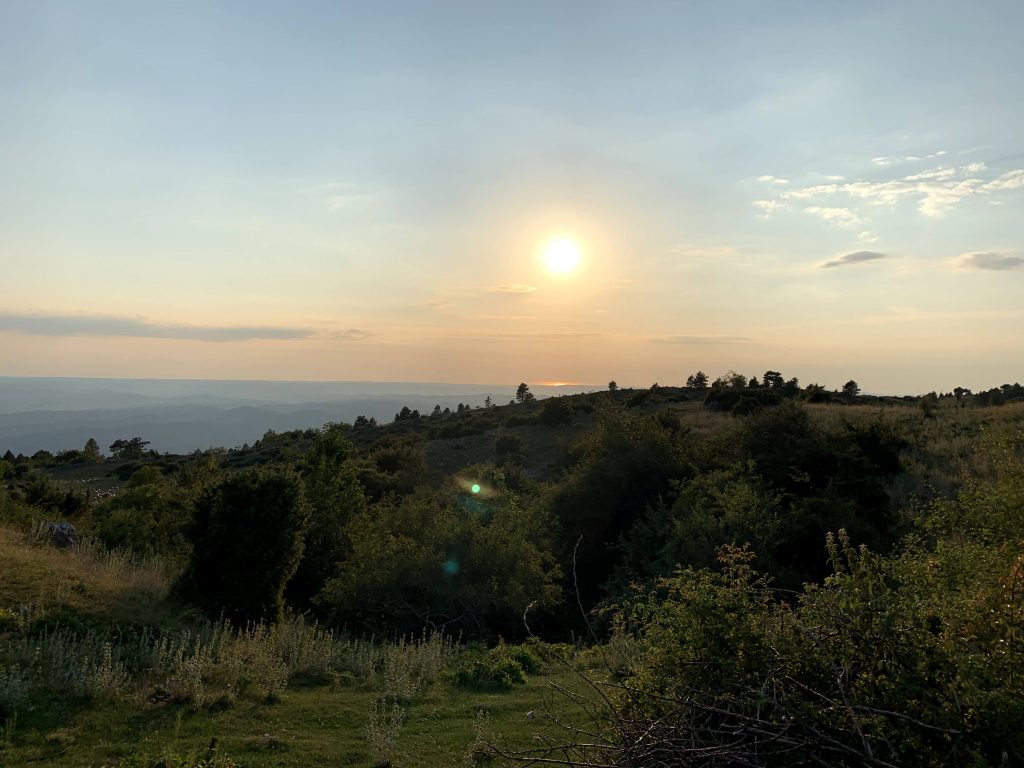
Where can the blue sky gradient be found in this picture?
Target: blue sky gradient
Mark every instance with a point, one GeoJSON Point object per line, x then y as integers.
{"type": "Point", "coordinates": [354, 188]}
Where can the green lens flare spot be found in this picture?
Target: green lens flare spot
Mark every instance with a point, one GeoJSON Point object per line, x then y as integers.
{"type": "Point", "coordinates": [450, 567]}
{"type": "Point", "coordinates": [475, 488]}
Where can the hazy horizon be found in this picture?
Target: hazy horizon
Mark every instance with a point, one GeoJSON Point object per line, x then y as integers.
{"type": "Point", "coordinates": [542, 192]}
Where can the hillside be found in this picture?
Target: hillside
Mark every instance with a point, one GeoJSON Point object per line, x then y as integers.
{"type": "Point", "coordinates": [454, 588]}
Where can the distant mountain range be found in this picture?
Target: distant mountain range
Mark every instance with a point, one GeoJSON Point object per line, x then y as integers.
{"type": "Point", "coordinates": [180, 416]}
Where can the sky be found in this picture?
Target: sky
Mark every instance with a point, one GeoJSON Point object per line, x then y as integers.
{"type": "Point", "coordinates": [365, 191]}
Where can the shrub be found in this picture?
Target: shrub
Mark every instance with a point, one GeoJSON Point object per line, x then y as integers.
{"type": "Point", "coordinates": [246, 543]}
{"type": "Point", "coordinates": [501, 667]}
{"type": "Point", "coordinates": [556, 411]}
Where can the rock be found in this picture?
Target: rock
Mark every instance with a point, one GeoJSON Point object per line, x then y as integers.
{"type": "Point", "coordinates": [61, 535]}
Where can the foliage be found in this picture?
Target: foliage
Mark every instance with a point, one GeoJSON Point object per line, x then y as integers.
{"type": "Point", "coordinates": [910, 658]}
{"type": "Point", "coordinates": [503, 667]}
{"type": "Point", "coordinates": [132, 448]}
{"type": "Point", "coordinates": [623, 467]}
{"type": "Point", "coordinates": [698, 380]}
{"type": "Point", "coordinates": [247, 538]}
{"type": "Point", "coordinates": [555, 412]}
{"type": "Point", "coordinates": [508, 447]}
{"type": "Point", "coordinates": [150, 516]}
{"type": "Point", "coordinates": [523, 394]}
{"type": "Point", "coordinates": [334, 496]}
{"type": "Point", "coordinates": [445, 559]}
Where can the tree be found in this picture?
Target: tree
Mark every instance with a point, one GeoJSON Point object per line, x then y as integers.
{"type": "Point", "coordinates": [699, 380]}
{"type": "Point", "coordinates": [851, 389]}
{"type": "Point", "coordinates": [437, 410]}
{"type": "Point", "coordinates": [816, 393]}
{"type": "Point", "coordinates": [247, 538]}
{"type": "Point", "coordinates": [773, 379]}
{"type": "Point", "coordinates": [612, 386]}
{"type": "Point", "coordinates": [135, 448]}
{"type": "Point", "coordinates": [523, 393]}
{"type": "Point", "coordinates": [488, 403]}
{"type": "Point", "coordinates": [91, 451]}
{"type": "Point", "coordinates": [334, 496]}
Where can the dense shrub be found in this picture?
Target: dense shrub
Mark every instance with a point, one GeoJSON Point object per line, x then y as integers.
{"type": "Point", "coordinates": [246, 539]}
{"type": "Point", "coordinates": [555, 412]}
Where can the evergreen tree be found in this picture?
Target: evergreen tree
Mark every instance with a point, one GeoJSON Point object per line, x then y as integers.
{"type": "Point", "coordinates": [91, 451]}
{"type": "Point", "coordinates": [523, 393]}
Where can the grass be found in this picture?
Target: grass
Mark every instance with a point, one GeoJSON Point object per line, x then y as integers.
{"type": "Point", "coordinates": [92, 703]}
{"type": "Point", "coordinates": [308, 726]}
{"type": "Point", "coordinates": [86, 580]}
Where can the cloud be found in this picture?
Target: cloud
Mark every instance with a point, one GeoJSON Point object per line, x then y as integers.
{"type": "Point", "coordinates": [513, 288]}
{"type": "Point", "coordinates": [867, 236]}
{"type": "Point", "coordinates": [853, 258]}
{"type": "Point", "coordinates": [993, 260]}
{"type": "Point", "coordinates": [42, 324]}
{"type": "Point", "coordinates": [838, 215]}
{"type": "Point", "coordinates": [704, 340]}
{"type": "Point", "coordinates": [352, 334]}
{"type": "Point", "coordinates": [936, 191]}
{"type": "Point", "coordinates": [768, 207]}
{"type": "Point", "coordinates": [772, 180]}
{"type": "Point", "coordinates": [883, 162]}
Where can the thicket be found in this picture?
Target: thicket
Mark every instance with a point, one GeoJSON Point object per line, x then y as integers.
{"type": "Point", "coordinates": [911, 658]}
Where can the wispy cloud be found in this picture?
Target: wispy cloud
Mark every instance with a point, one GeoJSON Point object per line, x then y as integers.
{"type": "Point", "coordinates": [935, 191]}
{"type": "Point", "coordinates": [883, 162]}
{"type": "Point", "coordinates": [772, 180]}
{"type": "Point", "coordinates": [704, 340]}
{"type": "Point", "coordinates": [838, 215]}
{"type": "Point", "coordinates": [43, 324]}
{"type": "Point", "coordinates": [857, 257]}
{"type": "Point", "coordinates": [993, 260]}
{"type": "Point", "coordinates": [352, 334]}
{"type": "Point", "coordinates": [513, 288]}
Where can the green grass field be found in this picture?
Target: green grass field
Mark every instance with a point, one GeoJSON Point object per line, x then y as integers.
{"type": "Point", "coordinates": [310, 723]}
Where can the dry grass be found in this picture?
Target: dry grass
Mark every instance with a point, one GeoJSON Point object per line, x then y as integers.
{"type": "Point", "coordinates": [86, 578]}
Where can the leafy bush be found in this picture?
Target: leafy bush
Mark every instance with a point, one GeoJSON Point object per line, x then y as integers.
{"type": "Point", "coordinates": [555, 412]}
{"type": "Point", "coordinates": [502, 667]}
{"type": "Point", "coordinates": [246, 540]}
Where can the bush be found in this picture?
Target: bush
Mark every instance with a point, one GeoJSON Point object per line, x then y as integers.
{"type": "Point", "coordinates": [501, 667]}
{"type": "Point", "coordinates": [246, 539]}
{"type": "Point", "coordinates": [556, 411]}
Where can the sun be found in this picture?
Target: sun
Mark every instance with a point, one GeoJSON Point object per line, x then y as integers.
{"type": "Point", "coordinates": [561, 255]}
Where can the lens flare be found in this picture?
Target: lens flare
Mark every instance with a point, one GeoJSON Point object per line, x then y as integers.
{"type": "Point", "coordinates": [475, 487]}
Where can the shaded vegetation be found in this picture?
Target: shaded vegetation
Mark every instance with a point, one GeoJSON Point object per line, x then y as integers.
{"type": "Point", "coordinates": [768, 573]}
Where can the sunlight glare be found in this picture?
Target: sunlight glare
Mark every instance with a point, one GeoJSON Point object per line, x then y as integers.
{"type": "Point", "coordinates": [561, 255]}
